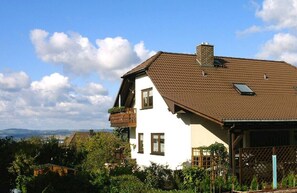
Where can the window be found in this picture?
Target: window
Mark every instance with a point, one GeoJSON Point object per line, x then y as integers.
{"type": "Point", "coordinates": [140, 142]}
{"type": "Point", "coordinates": [147, 98]}
{"type": "Point", "coordinates": [157, 143]}
{"type": "Point", "coordinates": [201, 158]}
{"type": "Point", "coordinates": [243, 89]}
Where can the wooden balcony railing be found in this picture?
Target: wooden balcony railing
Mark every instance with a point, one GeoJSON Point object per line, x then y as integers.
{"type": "Point", "coordinates": [123, 119]}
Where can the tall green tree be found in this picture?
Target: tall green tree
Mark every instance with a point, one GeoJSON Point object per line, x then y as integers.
{"type": "Point", "coordinates": [102, 148]}
{"type": "Point", "coordinates": [22, 169]}
{"type": "Point", "coordinates": [8, 147]}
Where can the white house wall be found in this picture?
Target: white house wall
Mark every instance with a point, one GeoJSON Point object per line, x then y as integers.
{"type": "Point", "coordinates": [160, 120]}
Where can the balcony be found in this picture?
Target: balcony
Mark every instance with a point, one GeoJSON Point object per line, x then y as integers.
{"type": "Point", "coordinates": [124, 118]}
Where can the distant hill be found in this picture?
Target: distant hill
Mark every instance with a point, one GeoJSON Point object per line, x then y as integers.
{"type": "Point", "coordinates": [19, 133]}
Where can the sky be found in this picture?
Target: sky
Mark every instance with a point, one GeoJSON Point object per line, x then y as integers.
{"type": "Point", "coordinates": [61, 61]}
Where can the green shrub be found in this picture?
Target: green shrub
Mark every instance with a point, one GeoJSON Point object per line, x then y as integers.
{"type": "Point", "coordinates": [52, 182]}
{"type": "Point", "coordinates": [192, 177]}
{"type": "Point", "coordinates": [291, 180]}
{"type": "Point", "coordinates": [172, 191]}
{"type": "Point", "coordinates": [178, 179]}
{"type": "Point", "coordinates": [204, 184]}
{"type": "Point", "coordinates": [126, 184]}
{"type": "Point", "coordinates": [101, 180]}
{"type": "Point", "coordinates": [254, 184]}
{"type": "Point", "coordinates": [121, 170]}
{"type": "Point", "coordinates": [159, 177]}
{"type": "Point", "coordinates": [219, 183]}
{"type": "Point", "coordinates": [244, 188]}
{"type": "Point", "coordinates": [232, 183]}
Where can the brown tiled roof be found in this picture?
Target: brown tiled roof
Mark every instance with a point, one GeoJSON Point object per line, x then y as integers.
{"type": "Point", "coordinates": [178, 78]}
{"type": "Point", "coordinates": [144, 65]}
{"type": "Point", "coordinates": [77, 137]}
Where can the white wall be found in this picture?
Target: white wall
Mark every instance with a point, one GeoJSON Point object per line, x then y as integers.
{"type": "Point", "coordinates": [160, 120]}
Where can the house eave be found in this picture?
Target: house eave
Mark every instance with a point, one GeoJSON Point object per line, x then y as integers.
{"type": "Point", "coordinates": [264, 122]}
{"type": "Point", "coordinates": [259, 120]}
{"type": "Point", "coordinates": [172, 106]}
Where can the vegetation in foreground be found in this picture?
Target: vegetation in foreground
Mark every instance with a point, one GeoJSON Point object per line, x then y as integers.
{"type": "Point", "coordinates": [20, 158]}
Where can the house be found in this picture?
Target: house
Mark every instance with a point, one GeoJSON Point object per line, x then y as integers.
{"type": "Point", "coordinates": [61, 170]}
{"type": "Point", "coordinates": [177, 102]}
{"type": "Point", "coordinates": [78, 138]}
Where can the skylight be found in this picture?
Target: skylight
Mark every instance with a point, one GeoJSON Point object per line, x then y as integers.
{"type": "Point", "coordinates": [243, 89]}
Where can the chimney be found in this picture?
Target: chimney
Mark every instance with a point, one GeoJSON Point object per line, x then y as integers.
{"type": "Point", "coordinates": [204, 54]}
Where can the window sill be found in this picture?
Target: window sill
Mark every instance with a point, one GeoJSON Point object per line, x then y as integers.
{"type": "Point", "coordinates": [141, 152]}
{"type": "Point", "coordinates": [145, 108]}
{"type": "Point", "coordinates": [159, 154]}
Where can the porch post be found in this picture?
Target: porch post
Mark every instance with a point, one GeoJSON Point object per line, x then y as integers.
{"type": "Point", "coordinates": [240, 166]}
{"type": "Point", "coordinates": [230, 149]}
{"type": "Point", "coordinates": [233, 154]}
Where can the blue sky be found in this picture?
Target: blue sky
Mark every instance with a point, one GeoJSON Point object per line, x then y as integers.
{"type": "Point", "coordinates": [61, 61]}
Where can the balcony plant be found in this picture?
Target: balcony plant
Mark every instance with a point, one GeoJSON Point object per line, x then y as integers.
{"type": "Point", "coordinates": [116, 109]}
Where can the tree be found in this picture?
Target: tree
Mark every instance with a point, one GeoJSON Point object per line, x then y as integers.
{"type": "Point", "coordinates": [22, 168]}
{"type": "Point", "coordinates": [7, 151]}
{"type": "Point", "coordinates": [53, 182]}
{"type": "Point", "coordinates": [101, 149]}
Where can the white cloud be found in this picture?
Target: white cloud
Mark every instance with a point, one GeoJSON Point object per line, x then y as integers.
{"type": "Point", "coordinates": [281, 47]}
{"type": "Point", "coordinates": [252, 29]}
{"type": "Point", "coordinates": [109, 57]}
{"type": "Point", "coordinates": [276, 15]}
{"type": "Point", "coordinates": [280, 17]}
{"type": "Point", "coordinates": [53, 102]}
{"type": "Point", "coordinates": [51, 87]}
{"type": "Point", "coordinates": [2, 106]}
{"type": "Point", "coordinates": [279, 13]}
{"type": "Point", "coordinates": [93, 88]}
{"type": "Point", "coordinates": [114, 53]}
{"type": "Point", "coordinates": [53, 82]}
{"type": "Point", "coordinates": [255, 29]}
{"type": "Point", "coordinates": [142, 52]}
{"type": "Point", "coordinates": [14, 81]}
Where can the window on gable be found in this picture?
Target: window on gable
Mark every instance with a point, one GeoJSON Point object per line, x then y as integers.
{"type": "Point", "coordinates": [147, 98]}
{"type": "Point", "coordinates": [243, 89]}
{"type": "Point", "coordinates": [157, 144]}
{"type": "Point", "coordinates": [140, 143]}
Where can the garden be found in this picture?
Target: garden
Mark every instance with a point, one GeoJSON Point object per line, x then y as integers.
{"type": "Point", "coordinates": [93, 174]}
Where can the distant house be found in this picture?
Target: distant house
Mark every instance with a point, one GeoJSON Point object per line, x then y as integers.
{"type": "Point", "coordinates": [61, 170]}
{"type": "Point", "coordinates": [78, 138]}
{"type": "Point", "coordinates": [177, 102]}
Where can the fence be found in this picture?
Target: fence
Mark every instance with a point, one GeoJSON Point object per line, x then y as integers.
{"type": "Point", "coordinates": [258, 162]}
